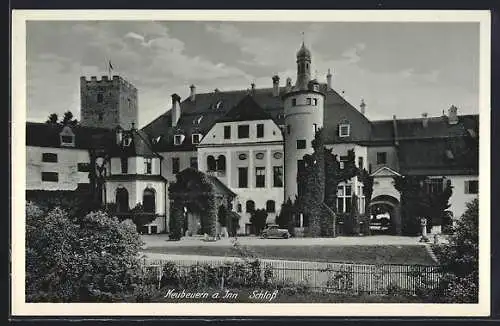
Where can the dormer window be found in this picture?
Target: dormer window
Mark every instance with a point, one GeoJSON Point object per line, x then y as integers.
{"type": "Point", "coordinates": [196, 138]}
{"type": "Point", "coordinates": [197, 120]}
{"type": "Point", "coordinates": [127, 142]}
{"type": "Point", "coordinates": [67, 137]}
{"type": "Point", "coordinates": [344, 130]}
{"type": "Point", "coordinates": [218, 105]}
{"type": "Point", "coordinates": [178, 139]}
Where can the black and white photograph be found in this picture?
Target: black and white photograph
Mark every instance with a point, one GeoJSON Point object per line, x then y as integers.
{"type": "Point", "coordinates": [261, 160]}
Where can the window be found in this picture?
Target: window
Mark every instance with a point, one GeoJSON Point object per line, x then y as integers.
{"type": "Point", "coordinates": [301, 143]}
{"type": "Point", "coordinates": [175, 165]}
{"type": "Point", "coordinates": [154, 229]}
{"type": "Point", "coordinates": [344, 130]}
{"type": "Point", "coordinates": [471, 187]}
{"type": "Point", "coordinates": [50, 176]}
{"type": "Point", "coordinates": [100, 98]}
{"type": "Point", "coordinates": [288, 129]}
{"type": "Point", "coordinates": [49, 157]}
{"type": "Point", "coordinates": [270, 206]}
{"type": "Point", "coordinates": [177, 139]}
{"type": "Point", "coordinates": [67, 139]}
{"type": "Point", "coordinates": [193, 162]}
{"type": "Point", "coordinates": [148, 201]}
{"type": "Point", "coordinates": [308, 101]}
{"type": "Point", "coordinates": [294, 102]}
{"type": "Point", "coordinates": [211, 163]}
{"type": "Point", "coordinates": [227, 132]}
{"type": "Point", "coordinates": [435, 185]}
{"type": "Point", "coordinates": [250, 206]}
{"type": "Point", "coordinates": [315, 128]}
{"type": "Point", "coordinates": [381, 158]}
{"type": "Point", "coordinates": [83, 167]}
{"type": "Point", "coordinates": [342, 160]}
{"type": "Point", "coordinates": [100, 116]}
{"type": "Point", "coordinates": [124, 163]}
{"type": "Point", "coordinates": [195, 138]}
{"type": "Point", "coordinates": [243, 131]}
{"type": "Point", "coordinates": [122, 200]}
{"type": "Point", "coordinates": [260, 177]}
{"type": "Point", "coordinates": [344, 193]}
{"type": "Point", "coordinates": [148, 165]}
{"type": "Point", "coordinates": [221, 163]}
{"type": "Point", "coordinates": [277, 176]}
{"type": "Point", "coordinates": [239, 208]}
{"type": "Point", "coordinates": [315, 101]}
{"type": "Point", "coordinates": [361, 163]}
{"type": "Point", "coordinates": [260, 130]}
{"type": "Point", "coordinates": [243, 177]}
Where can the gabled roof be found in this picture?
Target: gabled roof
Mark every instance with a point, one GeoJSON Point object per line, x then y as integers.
{"type": "Point", "coordinates": [220, 187]}
{"type": "Point", "coordinates": [385, 171]}
{"type": "Point", "coordinates": [246, 110]}
{"type": "Point", "coordinates": [134, 143]}
{"type": "Point", "coordinates": [48, 135]}
{"type": "Point", "coordinates": [214, 106]}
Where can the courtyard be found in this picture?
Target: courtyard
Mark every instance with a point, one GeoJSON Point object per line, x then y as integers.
{"type": "Point", "coordinates": [360, 250]}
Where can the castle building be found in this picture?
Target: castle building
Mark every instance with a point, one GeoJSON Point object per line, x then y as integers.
{"type": "Point", "coordinates": [250, 142]}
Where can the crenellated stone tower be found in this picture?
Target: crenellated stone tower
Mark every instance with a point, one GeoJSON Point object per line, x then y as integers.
{"type": "Point", "coordinates": [108, 103]}
{"type": "Point", "coordinates": [303, 106]}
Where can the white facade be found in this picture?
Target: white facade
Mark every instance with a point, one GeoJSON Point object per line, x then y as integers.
{"type": "Point", "coordinates": [461, 193]}
{"type": "Point", "coordinates": [60, 162]}
{"type": "Point", "coordinates": [255, 155]}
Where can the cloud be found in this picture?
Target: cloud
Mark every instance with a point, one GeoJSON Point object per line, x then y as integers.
{"type": "Point", "coordinates": [352, 54]}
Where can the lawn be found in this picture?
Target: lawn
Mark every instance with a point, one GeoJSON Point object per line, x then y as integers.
{"type": "Point", "coordinates": [361, 254]}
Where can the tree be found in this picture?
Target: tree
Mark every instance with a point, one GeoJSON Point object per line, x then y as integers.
{"type": "Point", "coordinates": [459, 258]}
{"type": "Point", "coordinates": [285, 219]}
{"type": "Point", "coordinates": [318, 183]}
{"type": "Point", "coordinates": [258, 220]}
{"type": "Point", "coordinates": [414, 202]}
{"type": "Point", "coordinates": [222, 216]}
{"type": "Point", "coordinates": [68, 119]}
{"type": "Point", "coordinates": [53, 118]}
{"type": "Point", "coordinates": [92, 260]}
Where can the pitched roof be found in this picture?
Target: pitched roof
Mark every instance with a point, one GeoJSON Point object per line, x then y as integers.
{"type": "Point", "coordinates": [220, 187]}
{"type": "Point", "coordinates": [214, 106]}
{"type": "Point", "coordinates": [134, 143]}
{"type": "Point", "coordinates": [48, 135]}
{"type": "Point", "coordinates": [246, 110]}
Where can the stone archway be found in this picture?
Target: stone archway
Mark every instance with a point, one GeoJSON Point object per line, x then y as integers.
{"type": "Point", "coordinates": [386, 205]}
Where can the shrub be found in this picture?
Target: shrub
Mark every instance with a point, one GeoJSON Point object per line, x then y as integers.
{"type": "Point", "coordinates": [460, 258]}
{"type": "Point", "coordinates": [94, 260]}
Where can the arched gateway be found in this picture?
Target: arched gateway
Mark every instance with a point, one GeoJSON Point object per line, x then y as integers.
{"type": "Point", "coordinates": [195, 199]}
{"type": "Point", "coordinates": [386, 205]}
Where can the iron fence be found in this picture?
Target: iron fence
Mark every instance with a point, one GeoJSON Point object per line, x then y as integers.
{"type": "Point", "coordinates": [341, 278]}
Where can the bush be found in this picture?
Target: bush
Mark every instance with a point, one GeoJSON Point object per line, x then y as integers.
{"type": "Point", "coordinates": [89, 261]}
{"type": "Point", "coordinates": [460, 258]}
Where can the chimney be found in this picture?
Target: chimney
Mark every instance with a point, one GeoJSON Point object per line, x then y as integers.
{"type": "Point", "coordinates": [192, 94]}
{"type": "Point", "coordinates": [119, 135]}
{"type": "Point", "coordinates": [425, 120]}
{"type": "Point", "coordinates": [329, 79]}
{"type": "Point", "coordinates": [362, 106]}
{"type": "Point", "coordinates": [276, 85]}
{"type": "Point", "coordinates": [288, 84]}
{"type": "Point", "coordinates": [176, 109]}
{"type": "Point", "coordinates": [452, 115]}
{"type": "Point", "coordinates": [395, 127]}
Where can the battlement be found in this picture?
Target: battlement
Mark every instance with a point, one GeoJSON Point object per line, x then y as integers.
{"type": "Point", "coordinates": [105, 80]}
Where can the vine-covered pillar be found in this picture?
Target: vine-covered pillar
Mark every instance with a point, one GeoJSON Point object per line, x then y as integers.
{"type": "Point", "coordinates": [176, 221]}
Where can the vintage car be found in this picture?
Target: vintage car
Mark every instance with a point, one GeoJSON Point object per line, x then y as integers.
{"type": "Point", "coordinates": [273, 231]}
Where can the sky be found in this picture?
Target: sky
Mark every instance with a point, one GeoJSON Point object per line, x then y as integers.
{"type": "Point", "coordinates": [402, 69]}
